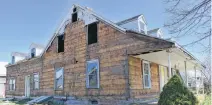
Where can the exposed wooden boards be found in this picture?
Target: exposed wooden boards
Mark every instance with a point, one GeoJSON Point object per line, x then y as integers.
{"type": "Point", "coordinates": [136, 79]}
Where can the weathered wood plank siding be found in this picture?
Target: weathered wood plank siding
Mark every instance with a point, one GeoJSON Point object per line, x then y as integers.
{"type": "Point", "coordinates": [76, 53]}
{"type": "Point", "coordinates": [137, 89]}
{"type": "Point", "coordinates": [112, 51]}
{"type": "Point", "coordinates": [19, 72]}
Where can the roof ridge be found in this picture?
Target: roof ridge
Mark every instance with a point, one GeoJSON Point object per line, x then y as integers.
{"type": "Point", "coordinates": [128, 19]}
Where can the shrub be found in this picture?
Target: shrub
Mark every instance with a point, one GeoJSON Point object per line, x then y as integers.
{"type": "Point", "coordinates": [176, 93]}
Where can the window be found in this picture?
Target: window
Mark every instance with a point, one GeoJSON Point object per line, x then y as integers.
{"type": "Point", "coordinates": [12, 84]}
{"type": "Point", "coordinates": [189, 84]}
{"type": "Point", "coordinates": [92, 74]}
{"type": "Point", "coordinates": [36, 81]}
{"type": "Point", "coordinates": [59, 78]}
{"type": "Point", "coordinates": [74, 15]}
{"type": "Point", "coordinates": [33, 52]}
{"type": "Point", "coordinates": [13, 59]}
{"type": "Point", "coordinates": [92, 33]}
{"type": "Point", "coordinates": [146, 75]}
{"type": "Point", "coordinates": [60, 47]}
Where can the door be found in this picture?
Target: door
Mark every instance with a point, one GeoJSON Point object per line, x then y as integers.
{"type": "Point", "coordinates": [27, 86]}
{"type": "Point", "coordinates": [163, 76]}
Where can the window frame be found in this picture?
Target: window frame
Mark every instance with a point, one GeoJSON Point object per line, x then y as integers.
{"type": "Point", "coordinates": [87, 26]}
{"type": "Point", "coordinates": [149, 74]}
{"type": "Point", "coordinates": [13, 88]}
{"type": "Point", "coordinates": [87, 75]}
{"type": "Point", "coordinates": [56, 69]}
{"type": "Point", "coordinates": [34, 81]}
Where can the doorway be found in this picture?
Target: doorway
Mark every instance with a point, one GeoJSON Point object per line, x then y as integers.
{"type": "Point", "coordinates": [163, 76]}
{"type": "Point", "coordinates": [27, 86]}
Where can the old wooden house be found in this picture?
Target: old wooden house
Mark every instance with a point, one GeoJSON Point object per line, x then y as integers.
{"type": "Point", "coordinates": [94, 60]}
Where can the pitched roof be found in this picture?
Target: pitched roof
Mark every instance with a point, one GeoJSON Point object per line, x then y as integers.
{"type": "Point", "coordinates": [135, 32]}
{"type": "Point", "coordinates": [19, 54]}
{"type": "Point", "coordinates": [108, 22]}
{"type": "Point", "coordinates": [34, 45]}
{"type": "Point", "coordinates": [153, 30]}
{"type": "Point", "coordinates": [129, 19]}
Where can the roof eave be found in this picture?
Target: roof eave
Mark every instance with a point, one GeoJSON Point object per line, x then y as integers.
{"type": "Point", "coordinates": [176, 45]}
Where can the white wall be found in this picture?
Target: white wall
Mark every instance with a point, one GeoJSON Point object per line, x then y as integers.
{"type": "Point", "coordinates": [38, 51]}
{"type": "Point", "coordinates": [18, 58]}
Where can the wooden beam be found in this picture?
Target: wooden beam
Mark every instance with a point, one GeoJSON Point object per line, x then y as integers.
{"type": "Point", "coordinates": [186, 73]}
{"type": "Point", "coordinates": [169, 63]}
{"type": "Point", "coordinates": [196, 80]}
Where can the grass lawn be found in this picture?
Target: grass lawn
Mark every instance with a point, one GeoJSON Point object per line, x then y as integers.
{"type": "Point", "coordinates": [9, 103]}
{"type": "Point", "coordinates": [22, 102]}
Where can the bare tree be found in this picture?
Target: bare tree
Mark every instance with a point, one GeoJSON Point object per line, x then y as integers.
{"type": "Point", "coordinates": [191, 18]}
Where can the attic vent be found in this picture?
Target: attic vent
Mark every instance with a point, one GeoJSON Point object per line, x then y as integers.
{"type": "Point", "coordinates": [74, 15]}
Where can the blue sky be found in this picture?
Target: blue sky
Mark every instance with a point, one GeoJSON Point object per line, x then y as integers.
{"type": "Point", "coordinates": [25, 21]}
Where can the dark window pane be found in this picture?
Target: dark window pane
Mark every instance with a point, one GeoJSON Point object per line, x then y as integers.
{"type": "Point", "coordinates": [74, 10]}
{"type": "Point", "coordinates": [74, 17]}
{"type": "Point", "coordinates": [33, 50]}
{"type": "Point", "coordinates": [61, 43]}
{"type": "Point", "coordinates": [92, 33]}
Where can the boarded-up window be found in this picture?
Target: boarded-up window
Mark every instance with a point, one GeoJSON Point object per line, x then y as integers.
{"type": "Point", "coordinates": [146, 74]}
{"type": "Point", "coordinates": [92, 33]}
{"type": "Point", "coordinates": [92, 75]}
{"type": "Point", "coordinates": [60, 47]}
{"type": "Point", "coordinates": [36, 81]}
{"type": "Point", "coordinates": [12, 84]}
{"type": "Point", "coordinates": [59, 78]}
